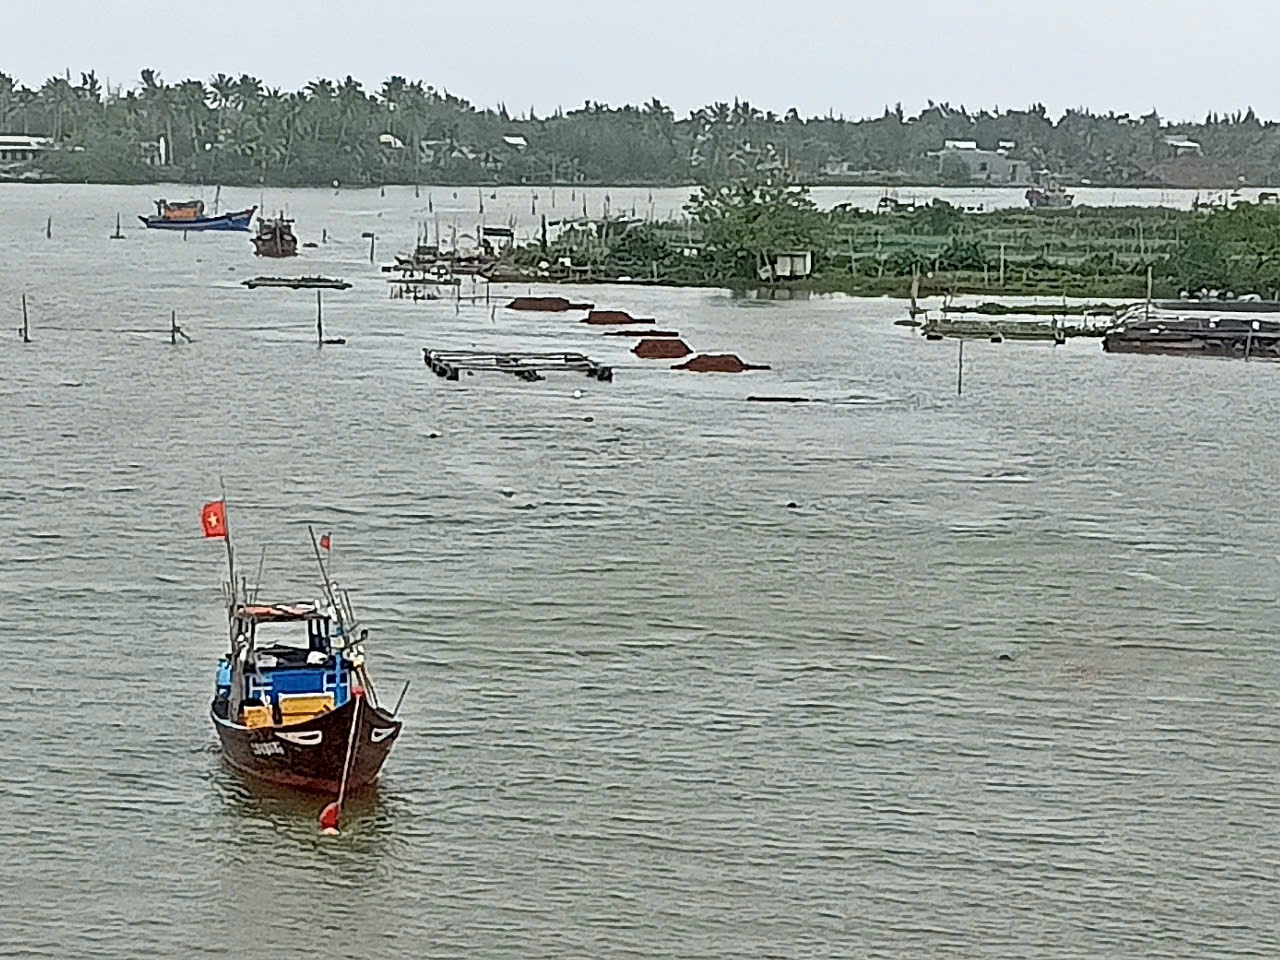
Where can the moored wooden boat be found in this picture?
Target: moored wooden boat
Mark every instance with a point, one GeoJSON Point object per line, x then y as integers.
{"type": "Point", "coordinates": [303, 715]}
{"type": "Point", "coordinates": [275, 238]}
{"type": "Point", "coordinates": [189, 215]}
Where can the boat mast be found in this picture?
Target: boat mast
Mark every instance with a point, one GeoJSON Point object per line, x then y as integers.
{"type": "Point", "coordinates": [341, 607]}
{"type": "Point", "coordinates": [232, 590]}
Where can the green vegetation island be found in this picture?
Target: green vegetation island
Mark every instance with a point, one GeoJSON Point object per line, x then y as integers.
{"type": "Point", "coordinates": [237, 131]}
{"type": "Point", "coordinates": [762, 232]}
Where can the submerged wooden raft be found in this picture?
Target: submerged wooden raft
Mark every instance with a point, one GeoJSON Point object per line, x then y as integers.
{"type": "Point", "coordinates": [449, 364]}
{"type": "Point", "coordinates": [298, 283]}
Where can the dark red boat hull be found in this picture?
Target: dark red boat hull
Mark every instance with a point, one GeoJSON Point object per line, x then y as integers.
{"type": "Point", "coordinates": [311, 755]}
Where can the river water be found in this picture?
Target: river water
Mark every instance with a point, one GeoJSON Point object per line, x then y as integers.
{"type": "Point", "coordinates": [892, 674]}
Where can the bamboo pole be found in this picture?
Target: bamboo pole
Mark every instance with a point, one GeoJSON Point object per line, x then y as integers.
{"type": "Point", "coordinates": [26, 327]}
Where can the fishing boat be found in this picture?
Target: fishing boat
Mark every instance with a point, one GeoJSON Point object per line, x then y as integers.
{"type": "Point", "coordinates": [275, 238]}
{"type": "Point", "coordinates": [1051, 198]}
{"type": "Point", "coordinates": [293, 701]}
{"type": "Point", "coordinates": [189, 215]}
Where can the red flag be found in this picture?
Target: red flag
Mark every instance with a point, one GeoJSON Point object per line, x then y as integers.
{"type": "Point", "coordinates": [213, 519]}
{"type": "Point", "coordinates": [324, 542]}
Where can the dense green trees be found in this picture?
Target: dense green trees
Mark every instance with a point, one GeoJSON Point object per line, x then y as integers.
{"type": "Point", "coordinates": [237, 130]}
{"type": "Point", "coordinates": [1231, 251]}
{"type": "Point", "coordinates": [742, 221]}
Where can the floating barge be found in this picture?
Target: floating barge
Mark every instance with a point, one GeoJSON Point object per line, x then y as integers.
{"type": "Point", "coordinates": [1240, 330]}
{"type": "Point", "coordinates": [449, 364]}
{"type": "Point", "coordinates": [298, 283]}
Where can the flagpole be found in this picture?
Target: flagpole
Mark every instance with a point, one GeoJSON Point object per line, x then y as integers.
{"type": "Point", "coordinates": [231, 557]}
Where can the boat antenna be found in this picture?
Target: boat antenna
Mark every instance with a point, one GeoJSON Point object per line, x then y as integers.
{"type": "Point", "coordinates": [257, 583]}
{"type": "Point", "coordinates": [324, 573]}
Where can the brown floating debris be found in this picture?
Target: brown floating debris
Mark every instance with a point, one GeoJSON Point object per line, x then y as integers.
{"type": "Point", "coordinates": [646, 333]}
{"type": "Point", "coordinates": [718, 363]}
{"type": "Point", "coordinates": [661, 348]}
{"type": "Point", "coordinates": [779, 400]}
{"type": "Point", "coordinates": [546, 304]}
{"type": "Point", "coordinates": [611, 317]}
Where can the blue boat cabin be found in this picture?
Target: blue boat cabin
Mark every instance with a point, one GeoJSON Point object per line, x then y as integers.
{"type": "Point", "coordinates": [283, 683]}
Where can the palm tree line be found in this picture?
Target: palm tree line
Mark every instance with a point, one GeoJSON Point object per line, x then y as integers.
{"type": "Point", "coordinates": [238, 130]}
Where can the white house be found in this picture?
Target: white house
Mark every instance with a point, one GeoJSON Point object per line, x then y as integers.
{"type": "Point", "coordinates": [18, 147]}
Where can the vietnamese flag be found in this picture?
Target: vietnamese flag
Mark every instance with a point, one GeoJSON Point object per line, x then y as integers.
{"type": "Point", "coordinates": [213, 519]}
{"type": "Point", "coordinates": [325, 543]}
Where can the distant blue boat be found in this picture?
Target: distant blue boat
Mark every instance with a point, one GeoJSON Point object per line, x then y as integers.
{"type": "Point", "coordinates": [190, 216]}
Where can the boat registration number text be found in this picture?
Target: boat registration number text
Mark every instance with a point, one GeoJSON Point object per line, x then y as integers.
{"type": "Point", "coordinates": [268, 748]}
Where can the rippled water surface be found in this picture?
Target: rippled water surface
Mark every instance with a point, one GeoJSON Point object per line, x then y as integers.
{"type": "Point", "coordinates": [1001, 683]}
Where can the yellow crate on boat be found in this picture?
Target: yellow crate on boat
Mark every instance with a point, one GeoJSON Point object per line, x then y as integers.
{"type": "Point", "coordinates": [296, 707]}
{"type": "Point", "coordinates": [257, 715]}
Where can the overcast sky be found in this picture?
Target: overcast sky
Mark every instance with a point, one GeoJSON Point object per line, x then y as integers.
{"type": "Point", "coordinates": [846, 56]}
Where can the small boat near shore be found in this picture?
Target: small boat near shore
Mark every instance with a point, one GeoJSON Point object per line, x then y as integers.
{"type": "Point", "coordinates": [298, 283]}
{"type": "Point", "coordinates": [189, 215]}
{"type": "Point", "coordinates": [293, 701]}
{"type": "Point", "coordinates": [1053, 197]}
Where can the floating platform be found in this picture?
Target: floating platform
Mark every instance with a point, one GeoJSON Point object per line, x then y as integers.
{"type": "Point", "coordinates": [298, 283]}
{"type": "Point", "coordinates": [1000, 330]}
{"type": "Point", "coordinates": [601, 318]}
{"type": "Point", "coordinates": [449, 364]}
{"type": "Point", "coordinates": [547, 304]}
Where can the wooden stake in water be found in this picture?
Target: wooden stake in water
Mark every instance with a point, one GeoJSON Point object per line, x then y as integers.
{"type": "Point", "coordinates": [26, 329]}
{"type": "Point", "coordinates": [48, 228]}
{"type": "Point", "coordinates": [118, 235]}
{"type": "Point", "coordinates": [319, 321]}
{"type": "Point", "coordinates": [960, 367]}
{"type": "Point", "coordinates": [176, 331]}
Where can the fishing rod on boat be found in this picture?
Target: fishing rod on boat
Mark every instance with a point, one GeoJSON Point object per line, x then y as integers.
{"type": "Point", "coordinates": [346, 618]}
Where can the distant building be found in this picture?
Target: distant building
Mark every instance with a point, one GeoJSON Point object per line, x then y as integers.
{"type": "Point", "coordinates": [19, 148]}
{"type": "Point", "coordinates": [787, 265]}
{"type": "Point", "coordinates": [516, 141]}
{"type": "Point", "coordinates": [1182, 147]}
{"type": "Point", "coordinates": [984, 166]}
{"type": "Point", "coordinates": [835, 167]}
